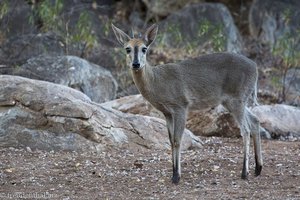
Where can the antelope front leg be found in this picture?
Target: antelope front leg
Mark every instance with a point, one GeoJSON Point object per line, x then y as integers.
{"type": "Point", "coordinates": [170, 127]}
{"type": "Point", "coordinates": [176, 125]}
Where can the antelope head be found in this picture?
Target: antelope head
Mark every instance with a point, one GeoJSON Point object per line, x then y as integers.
{"type": "Point", "coordinates": [136, 47]}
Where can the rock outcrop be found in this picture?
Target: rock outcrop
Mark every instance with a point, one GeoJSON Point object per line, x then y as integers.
{"type": "Point", "coordinates": [282, 121]}
{"type": "Point", "coordinates": [202, 27]}
{"type": "Point", "coordinates": [214, 122]}
{"type": "Point", "coordinates": [18, 49]}
{"type": "Point", "coordinates": [278, 121]}
{"type": "Point", "coordinates": [270, 20]}
{"type": "Point", "coordinates": [93, 80]}
{"type": "Point", "coordinates": [48, 116]}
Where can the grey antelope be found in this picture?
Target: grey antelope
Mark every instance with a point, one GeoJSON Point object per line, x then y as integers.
{"type": "Point", "coordinates": [199, 83]}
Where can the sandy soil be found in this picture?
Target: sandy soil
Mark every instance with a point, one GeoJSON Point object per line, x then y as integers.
{"type": "Point", "coordinates": [209, 173]}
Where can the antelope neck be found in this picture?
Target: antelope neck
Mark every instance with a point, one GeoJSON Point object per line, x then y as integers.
{"type": "Point", "coordinates": [143, 78]}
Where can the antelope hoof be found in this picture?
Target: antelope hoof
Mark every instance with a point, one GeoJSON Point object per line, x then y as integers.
{"type": "Point", "coordinates": [244, 175]}
{"type": "Point", "coordinates": [175, 178]}
{"type": "Point", "coordinates": [258, 169]}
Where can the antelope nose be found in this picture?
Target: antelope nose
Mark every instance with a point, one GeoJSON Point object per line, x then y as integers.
{"type": "Point", "coordinates": [135, 65]}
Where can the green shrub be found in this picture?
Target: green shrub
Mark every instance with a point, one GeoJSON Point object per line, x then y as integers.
{"type": "Point", "coordinates": [211, 34]}
{"type": "Point", "coordinates": [3, 11]}
{"type": "Point", "coordinates": [286, 50]}
{"type": "Point", "coordinates": [53, 19]}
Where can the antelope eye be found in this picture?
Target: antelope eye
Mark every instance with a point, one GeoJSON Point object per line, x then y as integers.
{"type": "Point", "coordinates": [144, 49]}
{"type": "Point", "coordinates": [128, 50]}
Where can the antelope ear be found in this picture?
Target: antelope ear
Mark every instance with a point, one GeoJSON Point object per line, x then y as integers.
{"type": "Point", "coordinates": [150, 34]}
{"type": "Point", "coordinates": [120, 35]}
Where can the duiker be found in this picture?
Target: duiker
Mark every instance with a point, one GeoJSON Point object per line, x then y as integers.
{"type": "Point", "coordinates": [199, 83]}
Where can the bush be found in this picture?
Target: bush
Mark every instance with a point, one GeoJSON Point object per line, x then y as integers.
{"type": "Point", "coordinates": [50, 17]}
{"type": "Point", "coordinates": [286, 50]}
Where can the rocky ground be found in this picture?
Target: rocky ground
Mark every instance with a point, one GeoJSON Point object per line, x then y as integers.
{"type": "Point", "coordinates": [212, 172]}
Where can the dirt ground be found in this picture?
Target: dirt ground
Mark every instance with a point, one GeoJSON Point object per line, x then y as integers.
{"type": "Point", "coordinates": [212, 172]}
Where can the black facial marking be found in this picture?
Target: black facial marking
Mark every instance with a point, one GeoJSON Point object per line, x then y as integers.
{"type": "Point", "coordinates": [136, 51]}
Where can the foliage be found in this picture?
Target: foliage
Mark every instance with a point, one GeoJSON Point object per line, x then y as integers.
{"type": "Point", "coordinates": [83, 32]}
{"type": "Point", "coordinates": [172, 31]}
{"type": "Point", "coordinates": [107, 27]}
{"type": "Point", "coordinates": [50, 15]}
{"type": "Point", "coordinates": [3, 8]}
{"type": "Point", "coordinates": [175, 32]}
{"type": "Point", "coordinates": [215, 34]}
{"type": "Point", "coordinates": [3, 12]}
{"type": "Point", "coordinates": [53, 19]}
{"type": "Point", "coordinates": [119, 58]}
{"type": "Point", "coordinates": [208, 34]}
{"type": "Point", "coordinates": [286, 50]}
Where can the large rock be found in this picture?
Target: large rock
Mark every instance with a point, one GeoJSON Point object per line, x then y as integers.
{"type": "Point", "coordinates": [163, 8]}
{"type": "Point", "coordinates": [214, 122]}
{"type": "Point", "coordinates": [279, 120]}
{"type": "Point", "coordinates": [135, 104]}
{"type": "Point", "coordinates": [198, 28]}
{"type": "Point", "coordinates": [93, 80]}
{"type": "Point", "coordinates": [272, 83]}
{"type": "Point", "coordinates": [43, 115]}
{"type": "Point", "coordinates": [293, 86]}
{"type": "Point", "coordinates": [270, 20]}
{"type": "Point", "coordinates": [16, 20]}
{"type": "Point", "coordinates": [21, 40]}
{"type": "Point", "coordinates": [25, 30]}
{"type": "Point", "coordinates": [18, 49]}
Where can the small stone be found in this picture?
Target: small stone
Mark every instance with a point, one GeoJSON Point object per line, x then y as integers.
{"type": "Point", "coordinates": [28, 149]}
{"type": "Point", "coordinates": [138, 164]}
{"type": "Point", "coordinates": [11, 148]}
{"type": "Point", "coordinates": [9, 170]}
{"type": "Point", "coordinates": [77, 164]}
{"type": "Point", "coordinates": [214, 183]}
{"type": "Point", "coordinates": [216, 168]}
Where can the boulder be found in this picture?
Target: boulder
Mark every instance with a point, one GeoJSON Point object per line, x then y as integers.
{"type": "Point", "coordinates": [164, 7]}
{"type": "Point", "coordinates": [27, 35]}
{"type": "Point", "coordinates": [270, 20]}
{"type": "Point", "coordinates": [48, 116]}
{"type": "Point", "coordinates": [23, 50]}
{"type": "Point", "coordinates": [16, 21]}
{"type": "Point", "coordinates": [93, 80]}
{"type": "Point", "coordinates": [135, 104]}
{"type": "Point", "coordinates": [16, 50]}
{"type": "Point", "coordinates": [21, 40]}
{"type": "Point", "coordinates": [293, 86]}
{"type": "Point", "coordinates": [198, 28]}
{"type": "Point", "coordinates": [272, 83]}
{"type": "Point", "coordinates": [214, 122]}
{"type": "Point", "coordinates": [282, 121]}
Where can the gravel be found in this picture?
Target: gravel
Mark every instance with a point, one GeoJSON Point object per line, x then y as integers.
{"type": "Point", "coordinates": [212, 172]}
